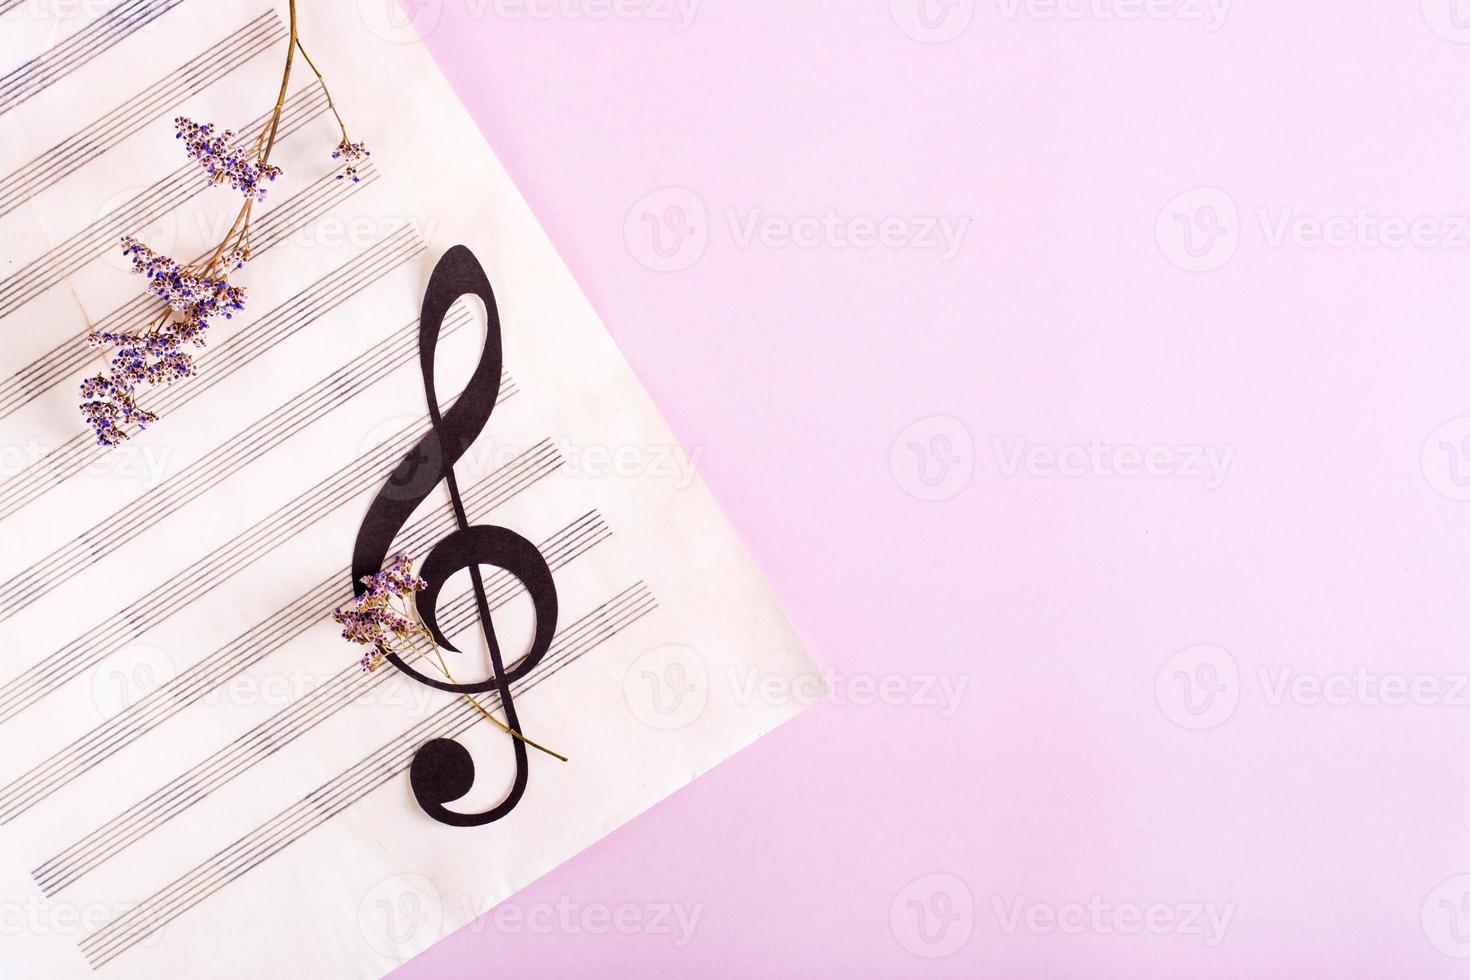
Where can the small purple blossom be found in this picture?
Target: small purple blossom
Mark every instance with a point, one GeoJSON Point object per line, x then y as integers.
{"type": "Point", "coordinates": [222, 162]}
{"type": "Point", "coordinates": [193, 295]}
{"type": "Point", "coordinates": [350, 154]}
{"type": "Point", "coordinates": [155, 356]}
{"type": "Point", "coordinates": [372, 620]}
{"type": "Point", "coordinates": [109, 405]}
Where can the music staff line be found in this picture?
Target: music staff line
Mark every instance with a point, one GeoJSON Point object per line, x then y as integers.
{"type": "Point", "coordinates": [290, 825]}
{"type": "Point", "coordinates": [209, 572]}
{"type": "Point", "coordinates": [151, 204]}
{"type": "Point", "coordinates": [219, 363]}
{"type": "Point", "coordinates": [54, 64]}
{"type": "Point", "coordinates": [239, 450]}
{"type": "Point", "coordinates": [231, 761]}
{"type": "Point", "coordinates": [235, 656]}
{"type": "Point", "coordinates": [274, 734]}
{"type": "Point", "coordinates": [217, 60]}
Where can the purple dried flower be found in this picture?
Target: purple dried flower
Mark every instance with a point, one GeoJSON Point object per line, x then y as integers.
{"type": "Point", "coordinates": [108, 405]}
{"type": "Point", "coordinates": [350, 154]}
{"type": "Point", "coordinates": [156, 355]}
{"type": "Point", "coordinates": [223, 163]}
{"type": "Point", "coordinates": [372, 620]}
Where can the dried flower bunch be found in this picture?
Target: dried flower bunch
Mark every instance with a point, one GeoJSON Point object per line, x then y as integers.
{"type": "Point", "coordinates": [351, 154]}
{"type": "Point", "coordinates": [155, 356]}
{"type": "Point", "coordinates": [374, 621]}
{"type": "Point", "coordinates": [194, 295]}
{"type": "Point", "coordinates": [223, 161]}
{"type": "Point", "coordinates": [385, 619]}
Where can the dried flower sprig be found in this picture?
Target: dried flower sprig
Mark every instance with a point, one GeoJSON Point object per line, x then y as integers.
{"type": "Point", "coordinates": [373, 620]}
{"type": "Point", "coordinates": [155, 356]}
{"type": "Point", "coordinates": [194, 294]}
{"type": "Point", "coordinates": [350, 154]}
{"type": "Point", "coordinates": [222, 161]}
{"type": "Point", "coordinates": [385, 619]}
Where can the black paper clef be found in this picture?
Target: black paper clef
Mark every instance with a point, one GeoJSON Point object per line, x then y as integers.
{"type": "Point", "coordinates": [442, 769]}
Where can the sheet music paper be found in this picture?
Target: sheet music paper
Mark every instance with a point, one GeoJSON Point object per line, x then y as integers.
{"type": "Point", "coordinates": [196, 778]}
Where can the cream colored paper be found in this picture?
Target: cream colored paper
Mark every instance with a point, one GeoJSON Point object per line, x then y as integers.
{"type": "Point", "coordinates": [653, 703]}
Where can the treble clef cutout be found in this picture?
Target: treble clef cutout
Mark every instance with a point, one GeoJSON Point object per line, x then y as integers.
{"type": "Point", "coordinates": [442, 769]}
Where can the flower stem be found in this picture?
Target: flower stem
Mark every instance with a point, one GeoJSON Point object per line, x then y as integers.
{"type": "Point", "coordinates": [328, 92]}
{"type": "Point", "coordinates": [270, 141]}
{"type": "Point", "coordinates": [443, 668]}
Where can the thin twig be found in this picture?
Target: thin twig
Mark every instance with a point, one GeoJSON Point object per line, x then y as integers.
{"type": "Point", "coordinates": [428, 635]}
{"type": "Point", "coordinates": [328, 92]}
{"type": "Point", "coordinates": [270, 142]}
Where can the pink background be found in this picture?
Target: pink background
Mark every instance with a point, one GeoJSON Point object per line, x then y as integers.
{"type": "Point", "coordinates": [1073, 769]}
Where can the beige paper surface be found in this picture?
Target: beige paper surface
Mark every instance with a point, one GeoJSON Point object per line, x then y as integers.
{"type": "Point", "coordinates": [195, 780]}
